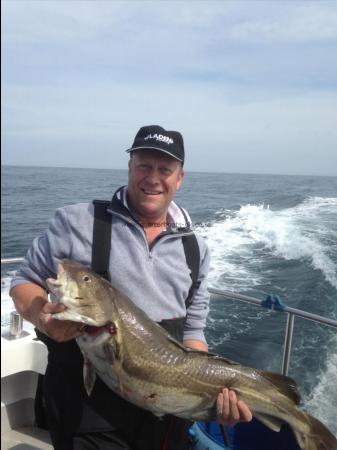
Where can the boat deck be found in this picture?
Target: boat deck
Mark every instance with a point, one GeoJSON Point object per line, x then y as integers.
{"type": "Point", "coordinates": [26, 438]}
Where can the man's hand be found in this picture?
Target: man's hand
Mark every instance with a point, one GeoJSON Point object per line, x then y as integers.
{"type": "Point", "coordinates": [58, 330]}
{"type": "Point", "coordinates": [31, 302]}
{"type": "Point", "coordinates": [230, 410]}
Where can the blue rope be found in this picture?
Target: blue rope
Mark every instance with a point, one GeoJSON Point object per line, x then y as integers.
{"type": "Point", "coordinates": [273, 302]}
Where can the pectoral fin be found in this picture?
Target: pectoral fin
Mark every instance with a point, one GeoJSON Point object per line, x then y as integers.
{"type": "Point", "coordinates": [89, 376]}
{"type": "Point", "coordinates": [269, 421]}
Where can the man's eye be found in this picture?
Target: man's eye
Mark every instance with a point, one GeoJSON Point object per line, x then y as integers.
{"type": "Point", "coordinates": [166, 171]}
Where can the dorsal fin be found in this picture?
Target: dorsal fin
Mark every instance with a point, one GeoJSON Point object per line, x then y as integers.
{"type": "Point", "coordinates": [201, 352]}
{"type": "Point", "coordinates": [286, 385]}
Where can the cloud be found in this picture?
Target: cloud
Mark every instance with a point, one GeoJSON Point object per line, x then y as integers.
{"type": "Point", "coordinates": [274, 44]}
{"type": "Point", "coordinates": [296, 22]}
{"type": "Point", "coordinates": [238, 78]}
{"type": "Point", "coordinates": [268, 22]}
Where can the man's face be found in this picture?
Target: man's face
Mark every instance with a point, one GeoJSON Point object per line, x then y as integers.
{"type": "Point", "coordinates": [154, 178]}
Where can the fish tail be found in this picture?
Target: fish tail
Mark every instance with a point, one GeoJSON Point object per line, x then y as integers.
{"type": "Point", "coordinates": [318, 437]}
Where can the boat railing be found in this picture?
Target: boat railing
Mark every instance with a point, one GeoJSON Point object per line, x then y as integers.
{"type": "Point", "coordinates": [11, 260]}
{"type": "Point", "coordinates": [274, 303]}
{"type": "Point", "coordinates": [271, 302]}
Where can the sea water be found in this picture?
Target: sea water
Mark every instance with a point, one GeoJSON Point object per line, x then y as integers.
{"type": "Point", "coordinates": [267, 235]}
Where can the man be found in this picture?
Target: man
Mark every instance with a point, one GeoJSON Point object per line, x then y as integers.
{"type": "Point", "coordinates": [147, 263]}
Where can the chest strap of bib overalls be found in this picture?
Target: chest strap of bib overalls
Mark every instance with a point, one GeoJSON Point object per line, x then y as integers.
{"type": "Point", "coordinates": [102, 243]}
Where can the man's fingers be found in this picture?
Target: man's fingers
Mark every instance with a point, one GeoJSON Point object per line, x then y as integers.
{"type": "Point", "coordinates": [58, 330]}
{"type": "Point", "coordinates": [226, 406]}
{"type": "Point", "coordinates": [63, 330]}
{"type": "Point", "coordinates": [50, 308]}
{"type": "Point", "coordinates": [219, 405]}
{"type": "Point", "coordinates": [223, 406]}
{"type": "Point", "coordinates": [234, 410]}
{"type": "Point", "coordinates": [245, 412]}
{"type": "Point", "coordinates": [230, 410]}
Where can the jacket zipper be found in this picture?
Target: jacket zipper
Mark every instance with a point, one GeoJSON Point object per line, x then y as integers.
{"type": "Point", "coordinates": [149, 248]}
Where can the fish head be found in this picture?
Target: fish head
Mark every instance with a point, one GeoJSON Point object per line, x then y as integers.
{"type": "Point", "coordinates": [87, 296]}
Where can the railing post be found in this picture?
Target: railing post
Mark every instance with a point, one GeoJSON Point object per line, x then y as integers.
{"type": "Point", "coordinates": [288, 343]}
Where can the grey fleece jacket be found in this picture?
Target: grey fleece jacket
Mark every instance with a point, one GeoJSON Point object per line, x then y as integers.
{"type": "Point", "coordinates": [156, 279]}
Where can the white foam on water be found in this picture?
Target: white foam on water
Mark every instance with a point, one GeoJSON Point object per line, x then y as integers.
{"type": "Point", "coordinates": [7, 304]}
{"type": "Point", "coordinates": [314, 203]}
{"type": "Point", "coordinates": [293, 234]}
{"type": "Point", "coordinates": [286, 233]}
{"type": "Point", "coordinates": [322, 402]}
{"type": "Point", "coordinates": [230, 248]}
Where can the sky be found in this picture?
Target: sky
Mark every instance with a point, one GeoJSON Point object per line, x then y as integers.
{"type": "Point", "coordinates": [251, 85]}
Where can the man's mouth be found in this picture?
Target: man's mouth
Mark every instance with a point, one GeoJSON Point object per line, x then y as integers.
{"type": "Point", "coordinates": [149, 192]}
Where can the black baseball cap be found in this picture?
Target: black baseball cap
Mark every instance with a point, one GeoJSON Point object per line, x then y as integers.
{"type": "Point", "coordinates": [154, 137]}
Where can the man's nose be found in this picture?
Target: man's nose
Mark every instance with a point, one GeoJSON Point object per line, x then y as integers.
{"type": "Point", "coordinates": [153, 176]}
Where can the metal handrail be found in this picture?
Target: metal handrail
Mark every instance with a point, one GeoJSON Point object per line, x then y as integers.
{"type": "Point", "coordinates": [297, 312]}
{"type": "Point", "coordinates": [11, 260]}
{"type": "Point", "coordinates": [291, 312]}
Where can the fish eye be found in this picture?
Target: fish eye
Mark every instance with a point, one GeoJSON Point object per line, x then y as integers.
{"type": "Point", "coordinates": [86, 278]}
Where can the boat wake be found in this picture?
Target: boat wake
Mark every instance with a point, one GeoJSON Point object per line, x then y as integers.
{"type": "Point", "coordinates": [240, 240]}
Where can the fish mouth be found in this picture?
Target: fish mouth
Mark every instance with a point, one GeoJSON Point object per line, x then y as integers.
{"type": "Point", "coordinates": [94, 330]}
{"type": "Point", "coordinates": [62, 289]}
{"type": "Point", "coordinates": [57, 286]}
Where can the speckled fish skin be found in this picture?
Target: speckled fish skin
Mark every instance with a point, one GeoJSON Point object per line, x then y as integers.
{"type": "Point", "coordinates": [139, 360]}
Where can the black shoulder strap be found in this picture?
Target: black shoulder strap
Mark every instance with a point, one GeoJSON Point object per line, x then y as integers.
{"type": "Point", "coordinates": [101, 239]}
{"type": "Point", "coordinates": [192, 255]}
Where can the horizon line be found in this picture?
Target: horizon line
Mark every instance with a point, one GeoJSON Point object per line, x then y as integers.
{"type": "Point", "coordinates": [187, 171]}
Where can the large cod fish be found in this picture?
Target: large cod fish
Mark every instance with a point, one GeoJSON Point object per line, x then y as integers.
{"type": "Point", "coordinates": [141, 362]}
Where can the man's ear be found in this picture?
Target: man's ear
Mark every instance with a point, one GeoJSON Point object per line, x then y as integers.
{"type": "Point", "coordinates": [181, 178]}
